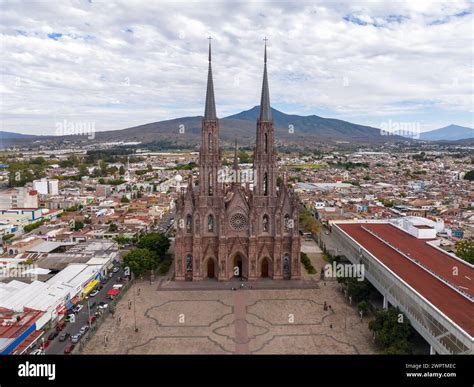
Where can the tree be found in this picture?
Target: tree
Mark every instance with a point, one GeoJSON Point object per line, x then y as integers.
{"type": "Point", "coordinates": [121, 170]}
{"type": "Point", "coordinates": [469, 175]}
{"type": "Point", "coordinates": [393, 331]}
{"type": "Point", "coordinates": [78, 225]}
{"type": "Point", "coordinates": [465, 250]}
{"type": "Point", "coordinates": [113, 227]}
{"type": "Point", "coordinates": [124, 199]}
{"type": "Point", "coordinates": [156, 242]}
{"type": "Point", "coordinates": [139, 261]}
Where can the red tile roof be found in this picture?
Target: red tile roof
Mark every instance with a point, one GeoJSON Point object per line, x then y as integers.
{"type": "Point", "coordinates": [454, 305]}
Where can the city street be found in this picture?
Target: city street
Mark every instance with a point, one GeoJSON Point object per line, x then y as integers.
{"type": "Point", "coordinates": [57, 347]}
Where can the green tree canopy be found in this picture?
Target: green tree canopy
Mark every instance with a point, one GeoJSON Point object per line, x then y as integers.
{"type": "Point", "coordinates": [465, 250]}
{"type": "Point", "coordinates": [156, 242]}
{"type": "Point", "coordinates": [140, 260]}
{"type": "Point", "coordinates": [393, 331]}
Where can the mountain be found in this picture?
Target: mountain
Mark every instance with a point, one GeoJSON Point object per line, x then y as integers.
{"type": "Point", "coordinates": [12, 135]}
{"type": "Point", "coordinates": [290, 129]}
{"type": "Point", "coordinates": [448, 133]}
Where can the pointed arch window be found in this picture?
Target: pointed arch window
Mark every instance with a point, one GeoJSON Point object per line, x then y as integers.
{"type": "Point", "coordinates": [265, 184]}
{"type": "Point", "coordinates": [286, 264]}
{"type": "Point", "coordinates": [287, 222]}
{"type": "Point", "coordinates": [265, 223]}
{"type": "Point", "coordinates": [210, 223]}
{"type": "Point", "coordinates": [266, 142]}
{"type": "Point", "coordinates": [189, 223]}
{"type": "Point", "coordinates": [210, 183]}
{"type": "Point", "coordinates": [189, 263]}
{"type": "Point", "coordinates": [209, 141]}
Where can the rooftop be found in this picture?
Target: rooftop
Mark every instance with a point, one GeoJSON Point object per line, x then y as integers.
{"type": "Point", "coordinates": [433, 276]}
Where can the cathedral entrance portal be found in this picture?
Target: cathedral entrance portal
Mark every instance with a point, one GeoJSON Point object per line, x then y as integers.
{"type": "Point", "coordinates": [264, 267]}
{"type": "Point", "coordinates": [210, 268]}
{"type": "Point", "coordinates": [237, 266]}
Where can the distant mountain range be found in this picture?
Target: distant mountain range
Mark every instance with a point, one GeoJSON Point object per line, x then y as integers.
{"type": "Point", "coordinates": [448, 133]}
{"type": "Point", "coordinates": [290, 130]}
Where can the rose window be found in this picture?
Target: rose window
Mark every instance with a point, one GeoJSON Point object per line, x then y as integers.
{"type": "Point", "coordinates": [238, 221]}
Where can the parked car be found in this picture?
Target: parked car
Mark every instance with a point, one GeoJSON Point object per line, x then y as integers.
{"type": "Point", "coordinates": [103, 306]}
{"type": "Point", "coordinates": [75, 339]}
{"type": "Point", "coordinates": [69, 317]}
{"type": "Point", "coordinates": [37, 352]}
{"type": "Point", "coordinates": [45, 345]}
{"type": "Point", "coordinates": [111, 275]}
{"type": "Point", "coordinates": [52, 335]}
{"type": "Point", "coordinates": [91, 319]}
{"type": "Point", "coordinates": [60, 326]}
{"type": "Point", "coordinates": [63, 336]}
{"type": "Point", "coordinates": [94, 293]}
{"type": "Point", "coordinates": [116, 269]}
{"type": "Point", "coordinates": [69, 348]}
{"type": "Point", "coordinates": [78, 308]}
{"type": "Point", "coordinates": [93, 305]}
{"type": "Point", "coordinates": [84, 329]}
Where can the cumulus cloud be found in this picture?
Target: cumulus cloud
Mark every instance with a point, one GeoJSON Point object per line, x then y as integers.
{"type": "Point", "coordinates": [122, 63]}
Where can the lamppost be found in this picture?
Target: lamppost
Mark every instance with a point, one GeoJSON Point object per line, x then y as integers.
{"type": "Point", "coordinates": [134, 309]}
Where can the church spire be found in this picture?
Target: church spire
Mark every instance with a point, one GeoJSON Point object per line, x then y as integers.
{"type": "Point", "coordinates": [265, 109]}
{"type": "Point", "coordinates": [210, 112]}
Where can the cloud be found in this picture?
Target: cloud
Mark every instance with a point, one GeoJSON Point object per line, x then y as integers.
{"type": "Point", "coordinates": [120, 64]}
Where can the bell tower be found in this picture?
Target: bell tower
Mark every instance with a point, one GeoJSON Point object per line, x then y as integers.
{"type": "Point", "coordinates": [265, 153]}
{"type": "Point", "coordinates": [210, 153]}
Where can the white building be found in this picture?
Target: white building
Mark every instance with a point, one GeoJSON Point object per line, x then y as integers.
{"type": "Point", "coordinates": [46, 186]}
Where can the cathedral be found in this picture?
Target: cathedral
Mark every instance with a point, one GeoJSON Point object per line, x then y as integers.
{"type": "Point", "coordinates": [238, 228]}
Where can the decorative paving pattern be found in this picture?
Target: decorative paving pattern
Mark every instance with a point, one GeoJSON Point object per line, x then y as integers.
{"type": "Point", "coordinates": [248, 321]}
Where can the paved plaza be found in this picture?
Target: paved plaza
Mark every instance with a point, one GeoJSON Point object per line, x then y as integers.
{"type": "Point", "coordinates": [208, 317]}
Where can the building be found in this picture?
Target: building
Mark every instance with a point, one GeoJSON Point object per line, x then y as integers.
{"type": "Point", "coordinates": [46, 186]}
{"type": "Point", "coordinates": [430, 286]}
{"type": "Point", "coordinates": [18, 198]}
{"type": "Point", "coordinates": [225, 228]}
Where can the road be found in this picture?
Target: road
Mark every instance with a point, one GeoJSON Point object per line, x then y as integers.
{"type": "Point", "coordinates": [164, 225]}
{"type": "Point", "coordinates": [57, 347]}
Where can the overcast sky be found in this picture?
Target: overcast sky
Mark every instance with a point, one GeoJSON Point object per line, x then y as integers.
{"type": "Point", "coordinates": [124, 63]}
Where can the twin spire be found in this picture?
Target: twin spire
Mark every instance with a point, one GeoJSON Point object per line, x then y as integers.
{"type": "Point", "coordinates": [210, 111]}
{"type": "Point", "coordinates": [265, 109]}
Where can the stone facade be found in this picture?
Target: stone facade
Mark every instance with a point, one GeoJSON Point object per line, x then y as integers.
{"type": "Point", "coordinates": [227, 230]}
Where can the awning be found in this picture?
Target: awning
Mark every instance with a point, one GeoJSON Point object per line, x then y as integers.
{"type": "Point", "coordinates": [88, 288]}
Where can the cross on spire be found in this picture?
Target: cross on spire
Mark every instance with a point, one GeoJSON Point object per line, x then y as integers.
{"type": "Point", "coordinates": [265, 57]}
{"type": "Point", "coordinates": [209, 38]}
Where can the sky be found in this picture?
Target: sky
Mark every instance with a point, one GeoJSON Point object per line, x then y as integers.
{"type": "Point", "coordinates": [118, 64]}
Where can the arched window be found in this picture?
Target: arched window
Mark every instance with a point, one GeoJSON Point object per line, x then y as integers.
{"type": "Point", "coordinates": [210, 183]}
{"type": "Point", "coordinates": [209, 142]}
{"type": "Point", "coordinates": [266, 142]}
{"type": "Point", "coordinates": [189, 263]}
{"type": "Point", "coordinates": [288, 222]}
{"type": "Point", "coordinates": [265, 223]}
{"type": "Point", "coordinates": [210, 223]}
{"type": "Point", "coordinates": [189, 223]}
{"type": "Point", "coordinates": [265, 184]}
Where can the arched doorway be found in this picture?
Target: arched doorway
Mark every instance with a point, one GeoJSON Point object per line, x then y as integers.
{"type": "Point", "coordinates": [264, 268]}
{"type": "Point", "coordinates": [210, 268]}
{"type": "Point", "coordinates": [238, 266]}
